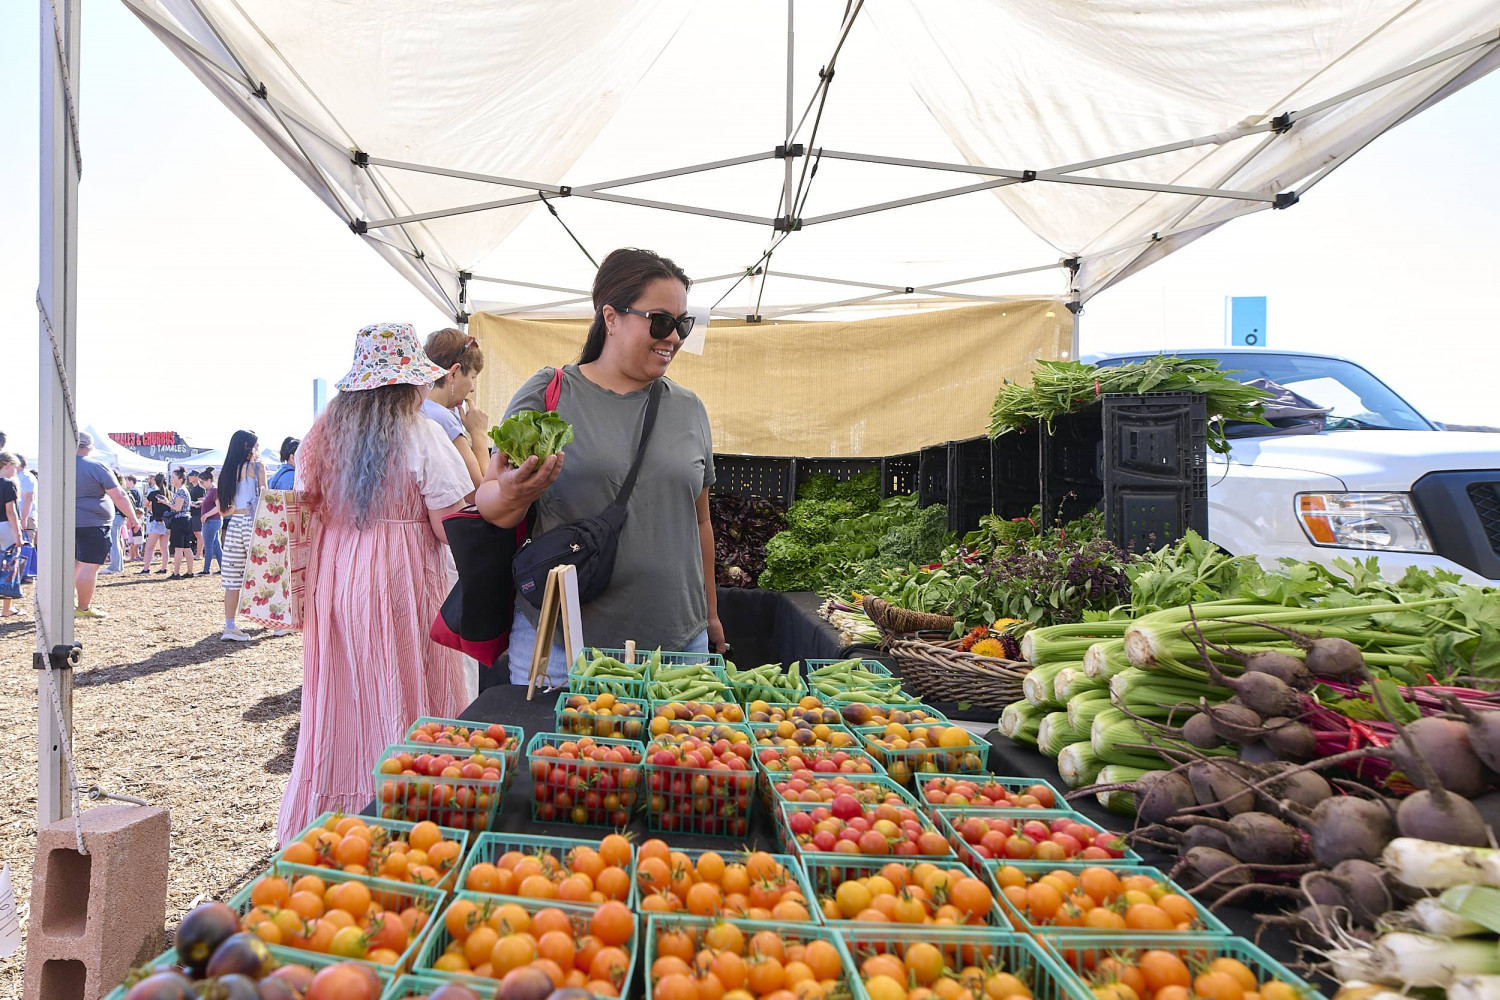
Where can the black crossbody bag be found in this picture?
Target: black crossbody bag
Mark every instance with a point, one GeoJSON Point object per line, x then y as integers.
{"type": "Point", "coordinates": [588, 544]}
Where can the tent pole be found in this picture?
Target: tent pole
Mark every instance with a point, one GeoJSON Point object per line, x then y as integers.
{"type": "Point", "coordinates": [786, 188]}
{"type": "Point", "coordinates": [57, 296]}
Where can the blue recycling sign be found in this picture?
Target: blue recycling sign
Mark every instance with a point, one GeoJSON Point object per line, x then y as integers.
{"type": "Point", "coordinates": [1247, 320]}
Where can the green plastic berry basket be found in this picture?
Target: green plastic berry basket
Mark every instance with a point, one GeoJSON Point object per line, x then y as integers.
{"type": "Point", "coordinates": [869, 789]}
{"type": "Point", "coordinates": [577, 722]}
{"type": "Point", "coordinates": [788, 933]}
{"type": "Point", "coordinates": [714, 802]}
{"type": "Point", "coordinates": [983, 782]}
{"type": "Point", "coordinates": [510, 748]}
{"type": "Point", "coordinates": [909, 763]}
{"type": "Point", "coordinates": [788, 839]}
{"type": "Point", "coordinates": [392, 898]}
{"type": "Point", "coordinates": [463, 803]}
{"type": "Point", "coordinates": [827, 872]}
{"type": "Point", "coordinates": [790, 865]}
{"type": "Point", "coordinates": [1205, 922]}
{"type": "Point", "coordinates": [563, 788]}
{"type": "Point", "coordinates": [382, 828]}
{"type": "Point", "coordinates": [962, 947]}
{"type": "Point", "coordinates": [312, 960]}
{"type": "Point", "coordinates": [490, 847]}
{"type": "Point", "coordinates": [438, 939]}
{"type": "Point", "coordinates": [1079, 955]}
{"type": "Point", "coordinates": [950, 819]}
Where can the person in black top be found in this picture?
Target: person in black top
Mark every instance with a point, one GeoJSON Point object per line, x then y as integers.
{"type": "Point", "coordinates": [159, 506]}
{"type": "Point", "coordinates": [196, 492]}
{"type": "Point", "coordinates": [139, 503]}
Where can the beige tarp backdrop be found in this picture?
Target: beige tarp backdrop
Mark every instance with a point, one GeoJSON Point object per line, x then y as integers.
{"type": "Point", "coordinates": [870, 387]}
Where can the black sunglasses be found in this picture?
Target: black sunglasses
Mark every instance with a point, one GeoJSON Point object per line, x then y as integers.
{"type": "Point", "coordinates": [663, 323]}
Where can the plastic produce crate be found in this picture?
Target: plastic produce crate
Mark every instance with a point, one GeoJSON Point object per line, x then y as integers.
{"type": "Point", "coordinates": [711, 801]}
{"type": "Point", "coordinates": [417, 986]}
{"type": "Point", "coordinates": [963, 946]}
{"type": "Point", "coordinates": [701, 711]}
{"type": "Point", "coordinates": [950, 818]}
{"type": "Point", "coordinates": [826, 872]}
{"type": "Point", "coordinates": [752, 477]}
{"type": "Point", "coordinates": [562, 785]}
{"type": "Point", "coordinates": [438, 938]}
{"type": "Point", "coordinates": [581, 722]}
{"type": "Point", "coordinates": [284, 956]}
{"type": "Point", "coordinates": [968, 483]}
{"type": "Point", "coordinates": [510, 750]}
{"type": "Point", "coordinates": [775, 761]}
{"type": "Point", "coordinates": [788, 863]}
{"type": "Point", "coordinates": [1015, 473]}
{"type": "Point", "coordinates": [898, 474]}
{"type": "Point", "coordinates": [932, 475]}
{"type": "Point", "coordinates": [908, 764]}
{"type": "Point", "coordinates": [1079, 955]}
{"type": "Point", "coordinates": [696, 927]}
{"type": "Point", "coordinates": [747, 692]}
{"type": "Point", "coordinates": [894, 714]}
{"type": "Point", "coordinates": [870, 789]}
{"type": "Point", "coordinates": [394, 829]}
{"type": "Point", "coordinates": [788, 840]}
{"type": "Point", "coordinates": [392, 897]}
{"type": "Point", "coordinates": [775, 735]}
{"type": "Point", "coordinates": [873, 666]}
{"type": "Point", "coordinates": [468, 803]}
{"type": "Point", "coordinates": [983, 781]}
{"type": "Point", "coordinates": [489, 848]}
{"type": "Point", "coordinates": [1032, 870]}
{"type": "Point", "coordinates": [842, 469]}
{"type": "Point", "coordinates": [672, 661]}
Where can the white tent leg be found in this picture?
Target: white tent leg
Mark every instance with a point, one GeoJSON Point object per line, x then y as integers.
{"type": "Point", "coordinates": [57, 296]}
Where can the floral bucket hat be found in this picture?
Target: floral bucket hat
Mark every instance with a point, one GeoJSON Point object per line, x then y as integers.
{"type": "Point", "coordinates": [389, 354]}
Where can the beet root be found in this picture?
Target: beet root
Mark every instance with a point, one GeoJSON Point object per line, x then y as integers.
{"type": "Point", "coordinates": [1203, 865]}
{"type": "Point", "coordinates": [1203, 835]}
{"type": "Point", "coordinates": [1199, 731]}
{"type": "Point", "coordinates": [1306, 788]}
{"type": "Point", "coordinates": [1233, 723]}
{"type": "Point", "coordinates": [1257, 838]}
{"type": "Point", "coordinates": [1484, 732]}
{"type": "Point", "coordinates": [1444, 818]}
{"type": "Point", "coordinates": [1216, 783]}
{"type": "Point", "coordinates": [1283, 666]}
{"type": "Point", "coordinates": [1444, 744]}
{"type": "Point", "coordinates": [1333, 658]}
{"type": "Point", "coordinates": [1365, 890]}
{"type": "Point", "coordinates": [1345, 827]}
{"type": "Point", "coordinates": [1290, 740]}
{"type": "Point", "coordinates": [1262, 693]}
{"type": "Point", "coordinates": [1161, 795]}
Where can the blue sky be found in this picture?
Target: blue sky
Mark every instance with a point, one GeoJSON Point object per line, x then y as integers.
{"type": "Point", "coordinates": [215, 287]}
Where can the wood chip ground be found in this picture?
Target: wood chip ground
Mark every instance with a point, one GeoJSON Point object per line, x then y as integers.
{"type": "Point", "coordinates": [166, 711]}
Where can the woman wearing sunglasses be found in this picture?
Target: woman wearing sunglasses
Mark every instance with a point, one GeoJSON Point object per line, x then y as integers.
{"type": "Point", "coordinates": [662, 591]}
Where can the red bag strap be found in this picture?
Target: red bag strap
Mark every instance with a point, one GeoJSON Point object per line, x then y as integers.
{"type": "Point", "coordinates": [554, 389]}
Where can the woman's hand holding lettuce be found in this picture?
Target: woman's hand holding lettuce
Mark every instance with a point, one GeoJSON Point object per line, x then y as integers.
{"type": "Point", "coordinates": [531, 433]}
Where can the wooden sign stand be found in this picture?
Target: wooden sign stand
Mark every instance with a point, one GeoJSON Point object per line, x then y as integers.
{"type": "Point", "coordinates": [559, 599]}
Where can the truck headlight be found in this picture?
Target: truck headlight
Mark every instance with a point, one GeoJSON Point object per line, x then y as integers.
{"type": "Point", "coordinates": [1386, 522]}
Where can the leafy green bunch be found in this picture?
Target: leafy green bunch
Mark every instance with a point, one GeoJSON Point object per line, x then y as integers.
{"type": "Point", "coordinates": [1060, 387]}
{"type": "Point", "coordinates": [840, 536]}
{"type": "Point", "coordinates": [531, 433]}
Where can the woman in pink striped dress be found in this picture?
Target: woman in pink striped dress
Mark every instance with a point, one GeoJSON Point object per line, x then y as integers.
{"type": "Point", "coordinates": [379, 478]}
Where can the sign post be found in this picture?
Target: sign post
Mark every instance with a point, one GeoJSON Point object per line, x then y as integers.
{"type": "Point", "coordinates": [1245, 317]}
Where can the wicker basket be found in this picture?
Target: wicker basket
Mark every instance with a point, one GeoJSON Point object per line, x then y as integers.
{"type": "Point", "coordinates": [899, 621]}
{"type": "Point", "coordinates": [935, 670]}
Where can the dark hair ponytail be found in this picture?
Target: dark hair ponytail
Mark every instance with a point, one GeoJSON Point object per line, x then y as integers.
{"type": "Point", "coordinates": [622, 278]}
{"type": "Point", "coordinates": [240, 453]}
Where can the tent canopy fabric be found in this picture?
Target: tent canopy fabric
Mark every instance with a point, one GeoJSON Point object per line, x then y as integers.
{"type": "Point", "coordinates": [124, 461]}
{"type": "Point", "coordinates": [868, 388]}
{"type": "Point", "coordinates": [939, 153]}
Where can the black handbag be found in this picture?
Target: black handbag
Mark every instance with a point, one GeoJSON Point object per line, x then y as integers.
{"type": "Point", "coordinates": [588, 544]}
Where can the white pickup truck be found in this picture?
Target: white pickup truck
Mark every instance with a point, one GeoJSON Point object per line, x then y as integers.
{"type": "Point", "coordinates": [1379, 478]}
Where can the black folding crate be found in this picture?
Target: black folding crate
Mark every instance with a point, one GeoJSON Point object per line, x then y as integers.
{"type": "Point", "coordinates": [753, 478]}
{"type": "Point", "coordinates": [1072, 465]}
{"type": "Point", "coordinates": [842, 469]}
{"type": "Point", "coordinates": [932, 475]}
{"type": "Point", "coordinates": [899, 474]}
{"type": "Point", "coordinates": [968, 483]}
{"type": "Point", "coordinates": [1015, 473]}
{"type": "Point", "coordinates": [1155, 457]}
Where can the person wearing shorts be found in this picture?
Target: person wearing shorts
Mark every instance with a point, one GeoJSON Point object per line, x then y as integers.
{"type": "Point", "coordinates": [97, 488]}
{"type": "Point", "coordinates": [241, 480]}
{"type": "Point", "coordinates": [180, 528]}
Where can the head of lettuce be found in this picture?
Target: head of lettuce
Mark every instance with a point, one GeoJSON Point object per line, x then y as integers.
{"type": "Point", "coordinates": [531, 432]}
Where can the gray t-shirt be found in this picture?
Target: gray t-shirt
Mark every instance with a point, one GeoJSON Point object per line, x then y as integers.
{"type": "Point", "coordinates": [95, 479]}
{"type": "Point", "coordinates": [656, 595]}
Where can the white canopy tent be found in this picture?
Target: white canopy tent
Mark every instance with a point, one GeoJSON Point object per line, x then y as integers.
{"type": "Point", "coordinates": [124, 461]}
{"type": "Point", "coordinates": [940, 153]}
{"type": "Point", "coordinates": [871, 155]}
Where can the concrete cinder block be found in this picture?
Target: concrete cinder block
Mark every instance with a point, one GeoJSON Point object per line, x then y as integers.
{"type": "Point", "coordinates": [94, 916]}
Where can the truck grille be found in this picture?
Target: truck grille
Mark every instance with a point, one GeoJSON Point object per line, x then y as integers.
{"type": "Point", "coordinates": [1486, 500]}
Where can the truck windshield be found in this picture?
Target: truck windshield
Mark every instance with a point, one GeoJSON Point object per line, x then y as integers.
{"type": "Point", "coordinates": [1358, 399]}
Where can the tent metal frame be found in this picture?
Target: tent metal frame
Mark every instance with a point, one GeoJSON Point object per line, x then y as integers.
{"type": "Point", "coordinates": [788, 151]}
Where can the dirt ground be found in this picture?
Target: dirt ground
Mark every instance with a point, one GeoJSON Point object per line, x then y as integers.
{"type": "Point", "coordinates": [166, 711]}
